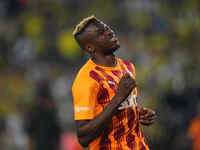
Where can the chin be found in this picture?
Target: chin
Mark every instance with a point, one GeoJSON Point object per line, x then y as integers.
{"type": "Point", "coordinates": [116, 47]}
{"type": "Point", "coordinates": [111, 51]}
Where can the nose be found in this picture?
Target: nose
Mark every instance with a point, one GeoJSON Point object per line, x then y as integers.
{"type": "Point", "coordinates": [114, 39]}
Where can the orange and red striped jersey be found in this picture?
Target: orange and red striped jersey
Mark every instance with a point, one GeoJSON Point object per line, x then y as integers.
{"type": "Point", "coordinates": [92, 90]}
{"type": "Point", "coordinates": [193, 132]}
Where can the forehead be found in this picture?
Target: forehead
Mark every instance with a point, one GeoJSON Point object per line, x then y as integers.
{"type": "Point", "coordinates": [94, 27]}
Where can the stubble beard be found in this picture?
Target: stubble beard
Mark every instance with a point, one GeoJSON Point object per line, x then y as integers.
{"type": "Point", "coordinates": [112, 51]}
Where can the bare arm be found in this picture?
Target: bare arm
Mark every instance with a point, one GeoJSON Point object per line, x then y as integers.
{"type": "Point", "coordinates": [88, 130]}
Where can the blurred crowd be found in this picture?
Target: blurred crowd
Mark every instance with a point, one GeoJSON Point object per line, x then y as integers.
{"type": "Point", "coordinates": [39, 59]}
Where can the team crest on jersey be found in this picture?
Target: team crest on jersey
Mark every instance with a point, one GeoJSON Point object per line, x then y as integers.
{"type": "Point", "coordinates": [111, 82]}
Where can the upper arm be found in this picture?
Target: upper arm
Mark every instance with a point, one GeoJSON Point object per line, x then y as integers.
{"type": "Point", "coordinates": [84, 93]}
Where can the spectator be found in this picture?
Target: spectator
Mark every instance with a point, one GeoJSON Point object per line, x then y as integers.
{"type": "Point", "coordinates": [15, 129]}
{"type": "Point", "coordinates": [43, 126]}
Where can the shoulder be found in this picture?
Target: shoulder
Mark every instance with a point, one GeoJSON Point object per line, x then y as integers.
{"type": "Point", "coordinates": [129, 65]}
{"type": "Point", "coordinates": [126, 62]}
{"type": "Point", "coordinates": [85, 76]}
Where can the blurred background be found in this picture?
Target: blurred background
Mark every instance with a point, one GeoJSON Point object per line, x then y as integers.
{"type": "Point", "coordinates": [39, 59]}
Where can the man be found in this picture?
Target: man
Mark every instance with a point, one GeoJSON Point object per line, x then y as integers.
{"type": "Point", "coordinates": [104, 92]}
{"type": "Point", "coordinates": [43, 126]}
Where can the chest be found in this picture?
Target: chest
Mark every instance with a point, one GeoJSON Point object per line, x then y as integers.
{"type": "Point", "coordinates": [108, 88]}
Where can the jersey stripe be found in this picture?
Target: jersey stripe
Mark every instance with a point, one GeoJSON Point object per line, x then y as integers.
{"type": "Point", "coordinates": [96, 76]}
{"type": "Point", "coordinates": [108, 77]}
{"type": "Point", "coordinates": [129, 66]}
{"type": "Point", "coordinates": [122, 67]}
{"type": "Point", "coordinates": [117, 73]}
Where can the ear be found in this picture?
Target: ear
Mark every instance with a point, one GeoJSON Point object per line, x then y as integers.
{"type": "Point", "coordinates": [90, 48]}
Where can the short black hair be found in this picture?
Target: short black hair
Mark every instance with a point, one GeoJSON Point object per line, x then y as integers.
{"type": "Point", "coordinates": [80, 28]}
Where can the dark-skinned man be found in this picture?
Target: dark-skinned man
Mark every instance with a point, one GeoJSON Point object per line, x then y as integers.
{"type": "Point", "coordinates": [105, 93]}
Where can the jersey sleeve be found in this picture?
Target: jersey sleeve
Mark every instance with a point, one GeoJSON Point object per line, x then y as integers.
{"type": "Point", "coordinates": [84, 93]}
{"type": "Point", "coordinates": [133, 72]}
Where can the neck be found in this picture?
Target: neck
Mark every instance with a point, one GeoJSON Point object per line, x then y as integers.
{"type": "Point", "coordinates": [105, 60]}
